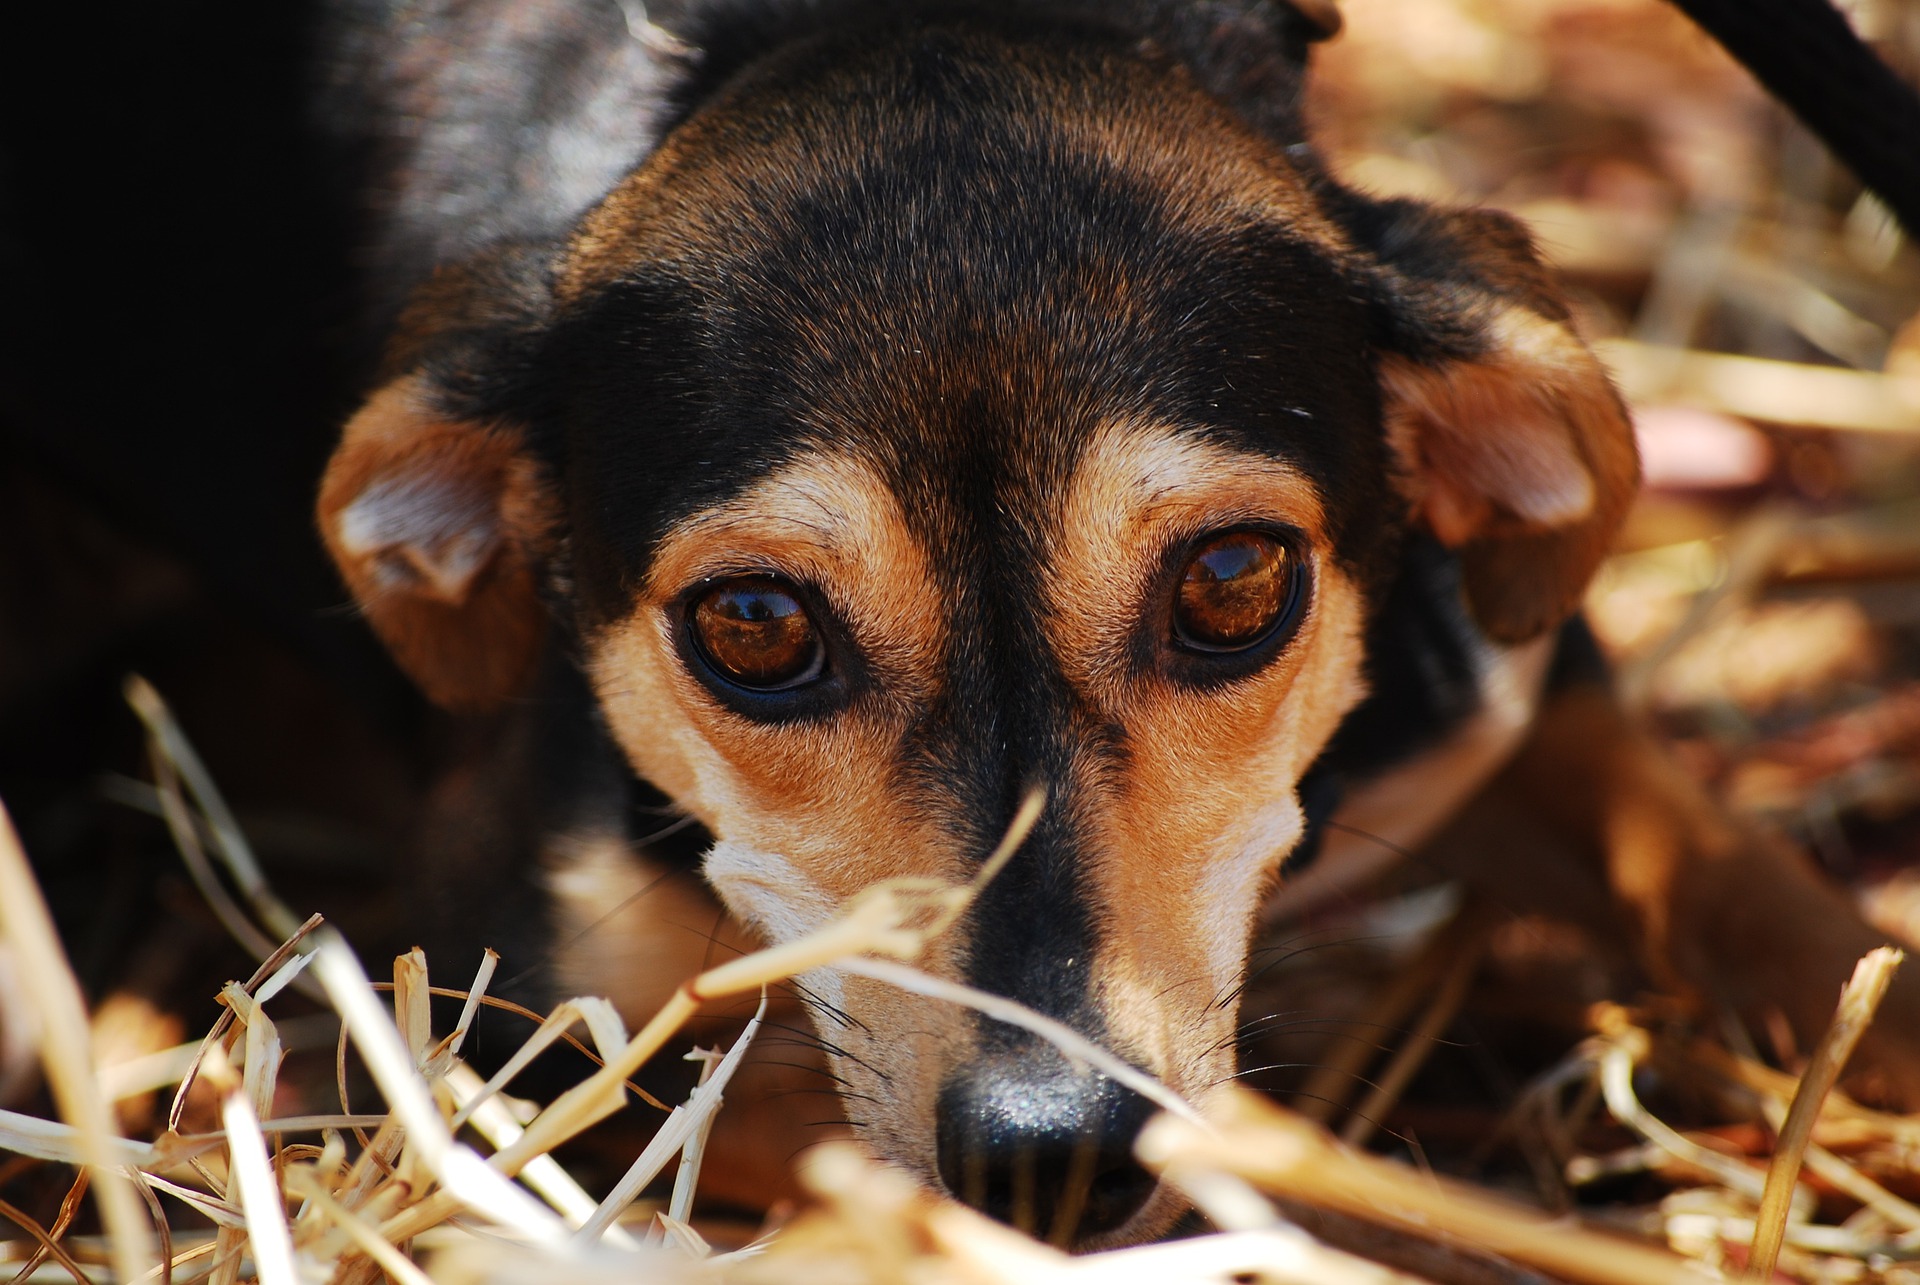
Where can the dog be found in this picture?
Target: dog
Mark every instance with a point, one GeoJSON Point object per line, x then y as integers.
{"type": "Point", "coordinates": [833, 421]}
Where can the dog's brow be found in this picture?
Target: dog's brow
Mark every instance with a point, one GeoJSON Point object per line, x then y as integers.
{"type": "Point", "coordinates": [738, 522]}
{"type": "Point", "coordinates": [1148, 476]}
{"type": "Point", "coordinates": [818, 513]}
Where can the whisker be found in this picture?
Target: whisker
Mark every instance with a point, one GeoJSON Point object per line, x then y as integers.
{"type": "Point", "coordinates": [824, 1073]}
{"type": "Point", "coordinates": [822, 1093]}
{"type": "Point", "coordinates": [555, 951]}
{"type": "Point", "coordinates": [829, 1047]}
{"type": "Point", "coordinates": [1424, 862]}
{"type": "Point", "coordinates": [1321, 1025]}
{"type": "Point", "coordinates": [667, 831]}
{"type": "Point", "coordinates": [806, 995]}
{"type": "Point", "coordinates": [1171, 987]}
{"type": "Point", "coordinates": [1292, 953]}
{"type": "Point", "coordinates": [713, 940]}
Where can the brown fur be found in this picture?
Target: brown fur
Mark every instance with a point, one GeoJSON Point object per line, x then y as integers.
{"type": "Point", "coordinates": [632, 930]}
{"type": "Point", "coordinates": [445, 564]}
{"type": "Point", "coordinates": [1197, 822]}
{"type": "Point", "coordinates": [1188, 829]}
{"type": "Point", "coordinates": [1591, 821]}
{"type": "Point", "coordinates": [699, 193]}
{"type": "Point", "coordinates": [809, 815]}
{"type": "Point", "coordinates": [1176, 800]}
{"type": "Point", "coordinates": [1523, 459]}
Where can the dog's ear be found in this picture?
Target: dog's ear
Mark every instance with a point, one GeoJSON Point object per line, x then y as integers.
{"type": "Point", "coordinates": [434, 508]}
{"type": "Point", "coordinates": [1512, 446]}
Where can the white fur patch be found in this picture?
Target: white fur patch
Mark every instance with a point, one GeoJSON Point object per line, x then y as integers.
{"type": "Point", "coordinates": [1231, 884]}
{"type": "Point", "coordinates": [772, 894]}
{"type": "Point", "coordinates": [768, 891]}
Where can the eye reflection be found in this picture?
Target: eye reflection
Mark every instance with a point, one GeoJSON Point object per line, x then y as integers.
{"type": "Point", "coordinates": [754, 631]}
{"type": "Point", "coordinates": [1234, 592]}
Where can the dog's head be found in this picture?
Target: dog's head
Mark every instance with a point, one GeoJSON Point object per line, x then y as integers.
{"type": "Point", "coordinates": [949, 408]}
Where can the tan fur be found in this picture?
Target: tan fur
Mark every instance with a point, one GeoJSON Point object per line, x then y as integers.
{"type": "Point", "coordinates": [1517, 454]}
{"type": "Point", "coordinates": [438, 528]}
{"type": "Point", "coordinates": [1520, 457]}
{"type": "Point", "coordinates": [628, 928]}
{"type": "Point", "coordinates": [1523, 459]}
{"type": "Point", "coordinates": [1614, 834]}
{"type": "Point", "coordinates": [632, 930]}
{"type": "Point", "coordinates": [827, 521]}
{"type": "Point", "coordinates": [807, 816]}
{"type": "Point", "coordinates": [1406, 804]}
{"type": "Point", "coordinates": [1193, 827]}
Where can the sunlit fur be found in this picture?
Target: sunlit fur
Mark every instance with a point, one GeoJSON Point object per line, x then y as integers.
{"type": "Point", "coordinates": [1188, 831]}
{"type": "Point", "coordinates": [968, 332]}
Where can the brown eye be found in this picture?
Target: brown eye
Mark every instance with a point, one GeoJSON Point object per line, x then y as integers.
{"type": "Point", "coordinates": [1235, 591]}
{"type": "Point", "coordinates": [755, 632]}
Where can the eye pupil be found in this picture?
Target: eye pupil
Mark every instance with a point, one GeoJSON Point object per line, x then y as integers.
{"type": "Point", "coordinates": [755, 632]}
{"type": "Point", "coordinates": [1234, 592]}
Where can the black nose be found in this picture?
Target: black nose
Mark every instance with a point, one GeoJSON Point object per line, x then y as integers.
{"type": "Point", "coordinates": [1052, 1154]}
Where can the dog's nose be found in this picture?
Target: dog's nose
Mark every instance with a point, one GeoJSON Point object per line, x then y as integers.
{"type": "Point", "coordinates": [1052, 1155]}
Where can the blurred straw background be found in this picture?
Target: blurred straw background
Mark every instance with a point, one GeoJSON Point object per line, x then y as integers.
{"type": "Point", "coordinates": [1763, 610]}
{"type": "Point", "coordinates": [1759, 311]}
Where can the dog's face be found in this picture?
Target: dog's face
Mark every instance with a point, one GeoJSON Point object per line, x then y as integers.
{"type": "Point", "coordinates": [939, 414]}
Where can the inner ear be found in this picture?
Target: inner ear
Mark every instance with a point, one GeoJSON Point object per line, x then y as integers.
{"type": "Point", "coordinates": [440, 527]}
{"type": "Point", "coordinates": [1489, 439]}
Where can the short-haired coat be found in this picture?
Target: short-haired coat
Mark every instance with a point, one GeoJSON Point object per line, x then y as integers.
{"type": "Point", "coordinates": [871, 411]}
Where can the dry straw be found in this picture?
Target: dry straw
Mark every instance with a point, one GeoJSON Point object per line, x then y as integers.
{"type": "Point", "coordinates": [452, 1183]}
{"type": "Point", "coordinates": [1858, 1002]}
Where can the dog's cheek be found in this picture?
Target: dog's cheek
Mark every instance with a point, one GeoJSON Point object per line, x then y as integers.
{"type": "Point", "coordinates": [768, 891]}
{"type": "Point", "coordinates": [635, 677]}
{"type": "Point", "coordinates": [887, 1048]}
{"type": "Point", "coordinates": [625, 926]}
{"type": "Point", "coordinates": [896, 1052]}
{"type": "Point", "coordinates": [823, 796]}
{"type": "Point", "coordinates": [1238, 878]}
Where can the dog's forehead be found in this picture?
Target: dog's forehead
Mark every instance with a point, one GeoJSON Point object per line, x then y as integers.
{"type": "Point", "coordinates": [913, 118]}
{"type": "Point", "coordinates": [956, 257]}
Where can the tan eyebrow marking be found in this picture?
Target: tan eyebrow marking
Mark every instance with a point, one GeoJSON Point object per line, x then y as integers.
{"type": "Point", "coordinates": [830, 520]}
{"type": "Point", "coordinates": [1192, 823]}
{"type": "Point", "coordinates": [1139, 488]}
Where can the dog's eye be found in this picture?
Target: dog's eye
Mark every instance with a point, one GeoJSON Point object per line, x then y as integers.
{"type": "Point", "coordinates": [1235, 591]}
{"type": "Point", "coordinates": [754, 631]}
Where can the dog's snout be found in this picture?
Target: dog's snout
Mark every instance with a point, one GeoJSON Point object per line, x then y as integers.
{"type": "Point", "coordinates": [1051, 1154]}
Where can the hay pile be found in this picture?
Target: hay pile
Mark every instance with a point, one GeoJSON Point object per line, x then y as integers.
{"type": "Point", "coordinates": [1765, 612]}
{"type": "Point", "coordinates": [454, 1182]}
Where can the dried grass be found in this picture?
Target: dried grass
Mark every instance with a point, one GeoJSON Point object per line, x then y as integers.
{"type": "Point", "coordinates": [414, 1202]}
{"type": "Point", "coordinates": [1682, 235]}
{"type": "Point", "coordinates": [426, 1191]}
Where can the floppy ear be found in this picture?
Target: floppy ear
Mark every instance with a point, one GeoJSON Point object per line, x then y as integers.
{"type": "Point", "coordinates": [1513, 447]}
{"type": "Point", "coordinates": [436, 513]}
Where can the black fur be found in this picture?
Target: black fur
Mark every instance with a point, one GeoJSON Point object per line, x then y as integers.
{"type": "Point", "coordinates": [957, 351]}
{"type": "Point", "coordinates": [967, 352]}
